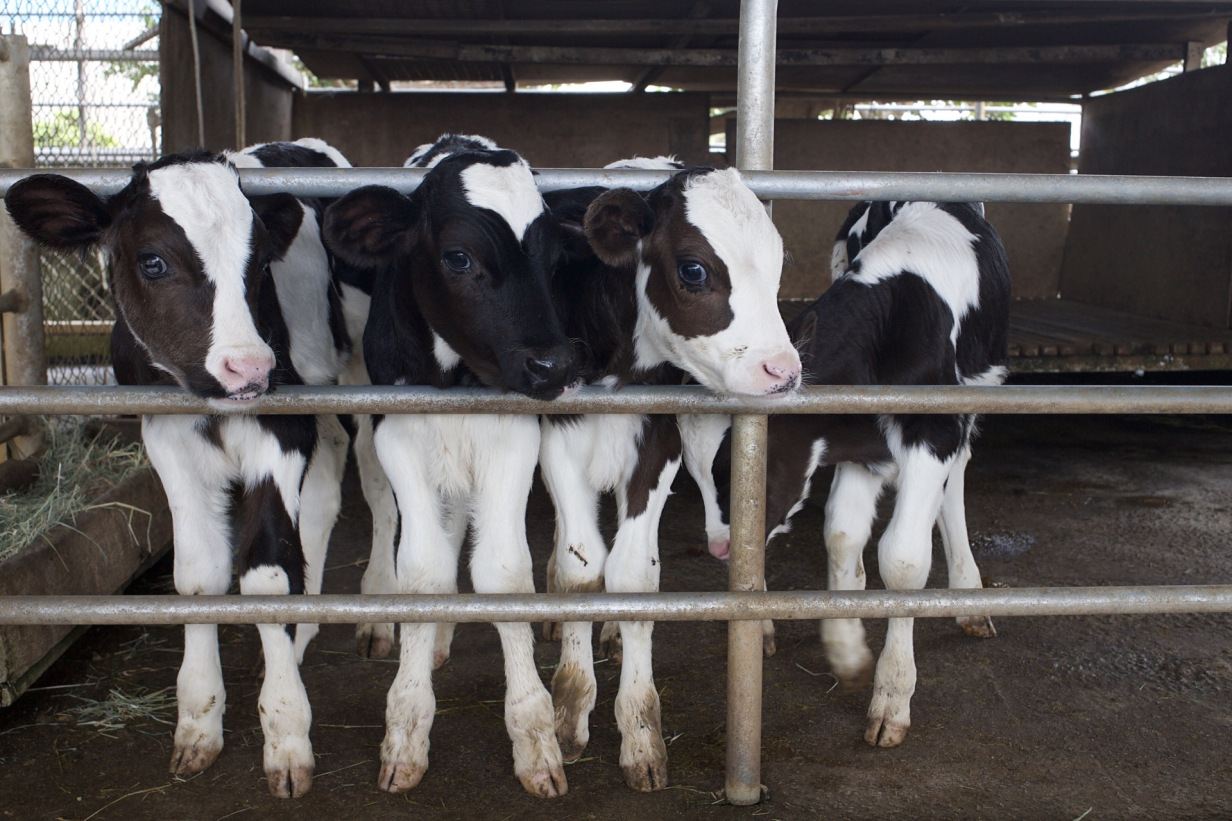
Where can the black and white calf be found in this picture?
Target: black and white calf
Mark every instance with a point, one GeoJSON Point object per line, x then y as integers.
{"type": "Point", "coordinates": [228, 298]}
{"type": "Point", "coordinates": [461, 298]}
{"type": "Point", "coordinates": [681, 279]}
{"type": "Point", "coordinates": [924, 300]}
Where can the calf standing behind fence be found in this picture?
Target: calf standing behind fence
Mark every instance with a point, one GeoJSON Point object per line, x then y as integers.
{"type": "Point", "coordinates": [681, 278]}
{"type": "Point", "coordinates": [189, 259]}
{"type": "Point", "coordinates": [461, 298]}
{"type": "Point", "coordinates": [924, 300]}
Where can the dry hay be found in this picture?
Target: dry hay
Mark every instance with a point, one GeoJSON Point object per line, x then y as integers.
{"type": "Point", "coordinates": [76, 469]}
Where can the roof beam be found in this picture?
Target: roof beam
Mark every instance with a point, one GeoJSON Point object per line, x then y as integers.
{"type": "Point", "coordinates": [404, 49]}
{"type": "Point", "coordinates": [723, 26]}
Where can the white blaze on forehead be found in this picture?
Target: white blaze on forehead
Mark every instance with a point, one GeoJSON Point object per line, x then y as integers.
{"type": "Point", "coordinates": [204, 199]}
{"type": "Point", "coordinates": [509, 190]}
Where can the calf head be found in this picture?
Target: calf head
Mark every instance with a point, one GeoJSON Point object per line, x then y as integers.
{"type": "Point", "coordinates": [187, 255]}
{"type": "Point", "coordinates": [471, 251]}
{"type": "Point", "coordinates": [707, 261]}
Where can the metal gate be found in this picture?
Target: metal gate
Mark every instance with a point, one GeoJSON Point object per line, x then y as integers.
{"type": "Point", "coordinates": [742, 606]}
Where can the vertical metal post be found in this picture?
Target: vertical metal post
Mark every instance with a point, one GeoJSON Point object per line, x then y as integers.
{"type": "Point", "coordinates": [25, 362]}
{"type": "Point", "coordinates": [754, 152]}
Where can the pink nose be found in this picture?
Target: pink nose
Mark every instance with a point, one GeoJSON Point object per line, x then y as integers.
{"type": "Point", "coordinates": [246, 374]}
{"type": "Point", "coordinates": [720, 548]}
{"type": "Point", "coordinates": [784, 369]}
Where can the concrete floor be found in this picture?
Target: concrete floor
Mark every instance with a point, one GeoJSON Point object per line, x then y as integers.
{"type": "Point", "coordinates": [1111, 717]}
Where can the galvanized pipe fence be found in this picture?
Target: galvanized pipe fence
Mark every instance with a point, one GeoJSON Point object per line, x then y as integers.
{"type": "Point", "coordinates": [743, 605]}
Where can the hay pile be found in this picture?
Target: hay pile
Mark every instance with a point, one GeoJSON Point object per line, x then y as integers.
{"type": "Point", "coordinates": [77, 467]}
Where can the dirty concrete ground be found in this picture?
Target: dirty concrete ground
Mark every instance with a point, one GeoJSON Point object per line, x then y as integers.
{"type": "Point", "coordinates": [1056, 718]}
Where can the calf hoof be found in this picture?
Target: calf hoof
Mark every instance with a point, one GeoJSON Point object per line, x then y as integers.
{"type": "Point", "coordinates": [374, 641]}
{"type": "Point", "coordinates": [291, 782]}
{"type": "Point", "coordinates": [611, 647]}
{"type": "Point", "coordinates": [646, 776]}
{"type": "Point", "coordinates": [546, 784]}
{"type": "Point", "coordinates": [288, 767]}
{"type": "Point", "coordinates": [978, 626]}
{"type": "Point", "coordinates": [643, 755]}
{"type": "Point", "coordinates": [887, 727]}
{"type": "Point", "coordinates": [400, 776]}
{"type": "Point", "coordinates": [551, 631]}
{"type": "Point", "coordinates": [195, 756]}
{"type": "Point", "coordinates": [538, 765]}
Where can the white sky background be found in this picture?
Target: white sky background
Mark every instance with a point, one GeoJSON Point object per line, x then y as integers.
{"type": "Point", "coordinates": [114, 107]}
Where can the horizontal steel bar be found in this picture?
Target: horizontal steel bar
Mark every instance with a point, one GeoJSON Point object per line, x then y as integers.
{"type": "Point", "coordinates": [861, 399]}
{"type": "Point", "coordinates": [803, 185]}
{"type": "Point", "coordinates": [727, 606]}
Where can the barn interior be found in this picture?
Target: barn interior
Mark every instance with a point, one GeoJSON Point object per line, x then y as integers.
{"type": "Point", "coordinates": [1120, 288]}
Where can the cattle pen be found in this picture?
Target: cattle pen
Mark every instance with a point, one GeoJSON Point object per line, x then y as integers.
{"type": "Point", "coordinates": [745, 603]}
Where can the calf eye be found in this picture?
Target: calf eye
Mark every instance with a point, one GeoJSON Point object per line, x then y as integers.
{"type": "Point", "coordinates": [691, 273]}
{"type": "Point", "coordinates": [152, 266]}
{"type": "Point", "coordinates": [457, 260]}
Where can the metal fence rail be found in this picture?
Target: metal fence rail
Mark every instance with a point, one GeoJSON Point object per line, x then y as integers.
{"type": "Point", "coordinates": [1108, 189]}
{"type": "Point", "coordinates": [852, 399]}
{"type": "Point", "coordinates": [729, 606]}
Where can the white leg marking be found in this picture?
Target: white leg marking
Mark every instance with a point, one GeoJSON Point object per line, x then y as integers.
{"type": "Point", "coordinates": [905, 554]}
{"type": "Point", "coordinates": [504, 467]}
{"type": "Point", "coordinates": [376, 640]}
{"type": "Point", "coordinates": [406, 446]}
{"type": "Point", "coordinates": [285, 713]}
{"type": "Point", "coordinates": [850, 511]}
{"type": "Point", "coordinates": [577, 564]}
{"type": "Point", "coordinates": [963, 571]}
{"type": "Point", "coordinates": [633, 566]}
{"type": "Point", "coordinates": [321, 500]}
{"type": "Point", "coordinates": [195, 476]}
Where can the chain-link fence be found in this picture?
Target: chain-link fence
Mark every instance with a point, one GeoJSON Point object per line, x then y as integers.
{"type": "Point", "coordinates": [94, 88]}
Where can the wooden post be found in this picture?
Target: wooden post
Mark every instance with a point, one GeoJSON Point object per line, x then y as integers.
{"type": "Point", "coordinates": [21, 340]}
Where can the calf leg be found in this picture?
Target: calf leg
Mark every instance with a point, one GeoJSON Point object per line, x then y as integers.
{"type": "Point", "coordinates": [904, 555]}
{"type": "Point", "coordinates": [273, 562]}
{"type": "Point", "coordinates": [961, 564]}
{"type": "Point", "coordinates": [850, 511]}
{"type": "Point", "coordinates": [321, 500]}
{"type": "Point", "coordinates": [196, 478]}
{"type": "Point", "coordinates": [501, 563]}
{"type": "Point", "coordinates": [578, 557]}
{"type": "Point", "coordinates": [454, 522]}
{"type": "Point", "coordinates": [633, 567]}
{"type": "Point", "coordinates": [425, 564]}
{"type": "Point", "coordinates": [376, 640]}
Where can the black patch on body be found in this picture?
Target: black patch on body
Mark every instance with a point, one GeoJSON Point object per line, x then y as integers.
{"type": "Point", "coordinates": [894, 332]}
{"type": "Point", "coordinates": [268, 537]}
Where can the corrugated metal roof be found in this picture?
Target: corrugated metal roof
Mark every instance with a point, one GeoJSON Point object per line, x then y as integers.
{"type": "Point", "coordinates": [1019, 49]}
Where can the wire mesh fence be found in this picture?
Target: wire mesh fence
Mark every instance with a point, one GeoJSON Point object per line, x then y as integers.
{"type": "Point", "coordinates": [95, 104]}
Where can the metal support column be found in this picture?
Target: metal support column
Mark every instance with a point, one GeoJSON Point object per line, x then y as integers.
{"type": "Point", "coordinates": [754, 152]}
{"type": "Point", "coordinates": [24, 360]}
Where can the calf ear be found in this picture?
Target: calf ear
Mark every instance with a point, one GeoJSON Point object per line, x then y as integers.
{"type": "Point", "coordinates": [57, 211]}
{"type": "Point", "coordinates": [282, 216]}
{"type": "Point", "coordinates": [371, 225]}
{"type": "Point", "coordinates": [615, 222]}
{"type": "Point", "coordinates": [574, 245]}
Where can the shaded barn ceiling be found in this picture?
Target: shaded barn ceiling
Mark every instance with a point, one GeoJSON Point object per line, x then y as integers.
{"type": "Point", "coordinates": [886, 50]}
